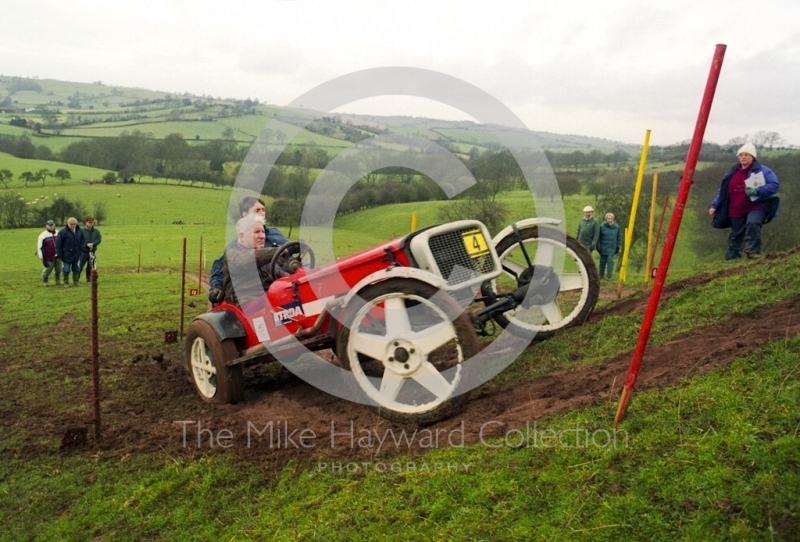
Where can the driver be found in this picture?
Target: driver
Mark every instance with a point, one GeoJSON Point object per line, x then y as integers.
{"type": "Point", "coordinates": [274, 238]}
{"type": "Point", "coordinates": [250, 239]}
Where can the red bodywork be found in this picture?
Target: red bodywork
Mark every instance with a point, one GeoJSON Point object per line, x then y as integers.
{"type": "Point", "coordinates": [310, 290]}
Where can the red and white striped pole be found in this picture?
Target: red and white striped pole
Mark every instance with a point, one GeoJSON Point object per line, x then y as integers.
{"type": "Point", "coordinates": [672, 233]}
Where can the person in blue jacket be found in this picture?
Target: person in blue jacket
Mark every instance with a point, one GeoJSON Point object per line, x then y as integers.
{"type": "Point", "coordinates": [69, 243]}
{"type": "Point", "coordinates": [274, 238]}
{"type": "Point", "coordinates": [609, 243]}
{"type": "Point", "coordinates": [746, 200]}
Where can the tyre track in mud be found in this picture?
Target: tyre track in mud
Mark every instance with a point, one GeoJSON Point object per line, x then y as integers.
{"type": "Point", "coordinates": [292, 405]}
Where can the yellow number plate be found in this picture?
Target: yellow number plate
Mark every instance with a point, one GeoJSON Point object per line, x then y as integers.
{"type": "Point", "coordinates": [475, 243]}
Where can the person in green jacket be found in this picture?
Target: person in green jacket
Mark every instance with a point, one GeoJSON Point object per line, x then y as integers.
{"type": "Point", "coordinates": [608, 245]}
{"type": "Point", "coordinates": [588, 229]}
{"type": "Point", "coordinates": [92, 239]}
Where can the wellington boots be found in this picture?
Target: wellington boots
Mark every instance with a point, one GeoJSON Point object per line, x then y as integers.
{"type": "Point", "coordinates": [76, 277]}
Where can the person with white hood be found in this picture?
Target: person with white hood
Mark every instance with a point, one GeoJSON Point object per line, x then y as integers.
{"type": "Point", "coordinates": [746, 200]}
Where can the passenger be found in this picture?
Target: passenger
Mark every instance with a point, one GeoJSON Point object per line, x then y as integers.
{"type": "Point", "coordinates": [274, 238]}
{"type": "Point", "coordinates": [250, 239]}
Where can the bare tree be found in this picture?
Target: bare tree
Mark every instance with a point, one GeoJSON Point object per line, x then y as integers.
{"type": "Point", "coordinates": [768, 139]}
{"type": "Point", "coordinates": [738, 141]}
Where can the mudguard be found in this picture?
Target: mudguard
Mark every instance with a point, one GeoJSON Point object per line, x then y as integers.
{"type": "Point", "coordinates": [521, 224]}
{"type": "Point", "coordinates": [226, 324]}
{"type": "Point", "coordinates": [394, 272]}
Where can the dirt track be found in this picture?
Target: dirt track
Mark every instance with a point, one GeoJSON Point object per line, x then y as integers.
{"type": "Point", "coordinates": [275, 395]}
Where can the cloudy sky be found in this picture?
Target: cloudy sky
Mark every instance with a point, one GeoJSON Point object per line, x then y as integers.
{"type": "Point", "coordinates": [607, 69]}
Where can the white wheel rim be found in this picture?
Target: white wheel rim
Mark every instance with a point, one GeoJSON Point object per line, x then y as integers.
{"type": "Point", "coordinates": [551, 317]}
{"type": "Point", "coordinates": [204, 371]}
{"type": "Point", "coordinates": [405, 381]}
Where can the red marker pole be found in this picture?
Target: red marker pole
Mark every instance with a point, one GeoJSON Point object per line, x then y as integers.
{"type": "Point", "coordinates": [672, 233]}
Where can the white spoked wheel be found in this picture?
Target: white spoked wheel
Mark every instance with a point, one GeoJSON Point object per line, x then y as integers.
{"type": "Point", "coordinates": [405, 346]}
{"type": "Point", "coordinates": [206, 359]}
{"type": "Point", "coordinates": [579, 281]}
{"type": "Point", "coordinates": [203, 370]}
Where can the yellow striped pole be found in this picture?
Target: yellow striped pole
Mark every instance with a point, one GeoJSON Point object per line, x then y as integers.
{"type": "Point", "coordinates": [650, 250]}
{"type": "Point", "coordinates": [632, 219]}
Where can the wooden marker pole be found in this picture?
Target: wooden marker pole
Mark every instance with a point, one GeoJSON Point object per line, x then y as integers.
{"type": "Point", "coordinates": [650, 252]}
{"type": "Point", "coordinates": [183, 284]}
{"type": "Point", "coordinates": [623, 270]}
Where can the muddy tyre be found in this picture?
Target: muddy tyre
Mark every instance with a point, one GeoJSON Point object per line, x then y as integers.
{"type": "Point", "coordinates": [405, 346]}
{"type": "Point", "coordinates": [579, 282]}
{"type": "Point", "coordinates": [206, 359]}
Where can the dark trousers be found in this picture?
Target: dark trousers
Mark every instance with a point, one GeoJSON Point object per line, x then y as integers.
{"type": "Point", "coordinates": [49, 267]}
{"type": "Point", "coordinates": [747, 230]}
{"type": "Point", "coordinates": [606, 261]}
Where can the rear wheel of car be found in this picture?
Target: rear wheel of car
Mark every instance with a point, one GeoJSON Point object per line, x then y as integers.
{"type": "Point", "coordinates": [405, 344]}
{"type": "Point", "coordinates": [206, 358]}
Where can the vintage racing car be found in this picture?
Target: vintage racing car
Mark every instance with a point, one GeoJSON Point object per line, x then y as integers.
{"type": "Point", "coordinates": [395, 314]}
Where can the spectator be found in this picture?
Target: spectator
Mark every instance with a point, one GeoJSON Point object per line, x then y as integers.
{"type": "Point", "coordinates": [274, 238]}
{"type": "Point", "coordinates": [250, 237]}
{"type": "Point", "coordinates": [92, 238]}
{"type": "Point", "coordinates": [69, 243]}
{"type": "Point", "coordinates": [588, 229]}
{"type": "Point", "coordinates": [46, 250]}
{"type": "Point", "coordinates": [746, 200]}
{"type": "Point", "coordinates": [608, 244]}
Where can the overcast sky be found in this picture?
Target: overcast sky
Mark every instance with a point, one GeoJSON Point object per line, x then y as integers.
{"type": "Point", "coordinates": [603, 69]}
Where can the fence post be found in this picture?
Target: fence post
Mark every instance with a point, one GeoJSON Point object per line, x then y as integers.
{"type": "Point", "coordinates": [95, 361]}
{"type": "Point", "coordinates": [183, 284]}
{"type": "Point", "coordinates": [200, 268]}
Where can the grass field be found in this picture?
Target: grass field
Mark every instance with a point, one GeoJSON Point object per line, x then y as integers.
{"type": "Point", "coordinates": [709, 458]}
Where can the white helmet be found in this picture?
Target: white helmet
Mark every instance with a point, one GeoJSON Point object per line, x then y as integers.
{"type": "Point", "coordinates": [588, 209]}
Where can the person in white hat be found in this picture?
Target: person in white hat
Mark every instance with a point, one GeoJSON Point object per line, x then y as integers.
{"type": "Point", "coordinates": [746, 200]}
{"type": "Point", "coordinates": [588, 229]}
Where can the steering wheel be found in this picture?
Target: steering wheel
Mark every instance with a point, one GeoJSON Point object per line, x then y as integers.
{"type": "Point", "coordinates": [289, 257]}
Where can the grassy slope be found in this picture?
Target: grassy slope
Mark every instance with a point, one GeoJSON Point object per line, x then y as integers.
{"type": "Point", "coordinates": [713, 457]}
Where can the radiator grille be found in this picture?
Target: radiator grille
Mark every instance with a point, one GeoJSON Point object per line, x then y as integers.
{"type": "Point", "coordinates": [455, 264]}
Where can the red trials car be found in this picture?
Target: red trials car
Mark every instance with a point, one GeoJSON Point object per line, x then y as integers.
{"type": "Point", "coordinates": [394, 314]}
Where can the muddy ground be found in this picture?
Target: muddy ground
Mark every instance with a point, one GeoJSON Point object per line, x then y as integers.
{"type": "Point", "coordinates": [152, 406]}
